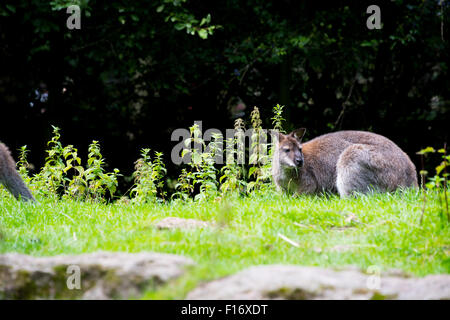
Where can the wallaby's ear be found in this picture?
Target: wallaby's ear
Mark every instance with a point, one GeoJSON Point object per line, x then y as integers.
{"type": "Point", "coordinates": [298, 133]}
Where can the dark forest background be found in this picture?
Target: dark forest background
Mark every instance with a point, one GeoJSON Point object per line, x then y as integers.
{"type": "Point", "coordinates": [137, 70]}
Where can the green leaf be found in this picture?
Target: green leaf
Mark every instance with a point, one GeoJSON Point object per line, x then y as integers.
{"type": "Point", "coordinates": [440, 167]}
{"type": "Point", "coordinates": [180, 26]}
{"type": "Point", "coordinates": [11, 8]}
{"type": "Point", "coordinates": [203, 33]}
{"type": "Point", "coordinates": [426, 150]}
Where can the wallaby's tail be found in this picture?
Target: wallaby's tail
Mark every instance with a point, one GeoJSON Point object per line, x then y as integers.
{"type": "Point", "coordinates": [10, 178]}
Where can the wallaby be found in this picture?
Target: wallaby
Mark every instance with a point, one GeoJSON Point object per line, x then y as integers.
{"type": "Point", "coordinates": [345, 162]}
{"type": "Point", "coordinates": [10, 178]}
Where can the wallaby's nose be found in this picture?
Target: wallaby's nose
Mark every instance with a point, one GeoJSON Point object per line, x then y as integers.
{"type": "Point", "coordinates": [299, 162]}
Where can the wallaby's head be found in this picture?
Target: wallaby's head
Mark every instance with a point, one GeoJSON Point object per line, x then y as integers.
{"type": "Point", "coordinates": [290, 148]}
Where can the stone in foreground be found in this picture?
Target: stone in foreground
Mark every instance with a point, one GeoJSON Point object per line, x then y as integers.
{"type": "Point", "coordinates": [300, 283]}
{"type": "Point", "coordinates": [102, 275]}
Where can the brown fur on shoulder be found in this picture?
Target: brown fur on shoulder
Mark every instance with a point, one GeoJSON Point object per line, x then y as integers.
{"type": "Point", "coordinates": [10, 178]}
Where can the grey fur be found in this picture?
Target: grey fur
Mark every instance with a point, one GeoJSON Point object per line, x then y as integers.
{"type": "Point", "coordinates": [10, 178]}
{"type": "Point", "coordinates": [344, 162]}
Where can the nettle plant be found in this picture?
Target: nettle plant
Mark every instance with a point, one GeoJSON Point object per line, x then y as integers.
{"type": "Point", "coordinates": [230, 174]}
{"type": "Point", "coordinates": [232, 180]}
{"type": "Point", "coordinates": [439, 182]}
{"type": "Point", "coordinates": [51, 179]}
{"type": "Point", "coordinates": [201, 169]}
{"type": "Point", "coordinates": [277, 119]}
{"type": "Point", "coordinates": [260, 159]}
{"type": "Point", "coordinates": [23, 165]}
{"type": "Point", "coordinates": [148, 178]}
{"type": "Point", "coordinates": [234, 177]}
{"type": "Point", "coordinates": [64, 176]}
{"type": "Point", "coordinates": [204, 178]}
{"type": "Point", "coordinates": [99, 182]}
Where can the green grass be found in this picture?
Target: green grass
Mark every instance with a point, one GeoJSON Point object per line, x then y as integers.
{"type": "Point", "coordinates": [386, 233]}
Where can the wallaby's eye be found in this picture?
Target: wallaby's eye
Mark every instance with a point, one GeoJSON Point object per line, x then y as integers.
{"type": "Point", "coordinates": [286, 150]}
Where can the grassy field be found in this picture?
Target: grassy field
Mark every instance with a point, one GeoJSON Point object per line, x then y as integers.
{"type": "Point", "coordinates": [381, 230]}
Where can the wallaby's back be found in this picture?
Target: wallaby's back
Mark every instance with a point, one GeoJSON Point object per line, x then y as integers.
{"type": "Point", "coordinates": [9, 176]}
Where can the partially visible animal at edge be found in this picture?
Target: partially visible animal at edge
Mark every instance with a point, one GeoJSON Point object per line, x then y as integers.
{"type": "Point", "coordinates": [10, 178]}
{"type": "Point", "coordinates": [344, 162]}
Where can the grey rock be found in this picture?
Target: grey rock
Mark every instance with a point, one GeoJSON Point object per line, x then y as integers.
{"type": "Point", "coordinates": [103, 275]}
{"type": "Point", "coordinates": [299, 283]}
